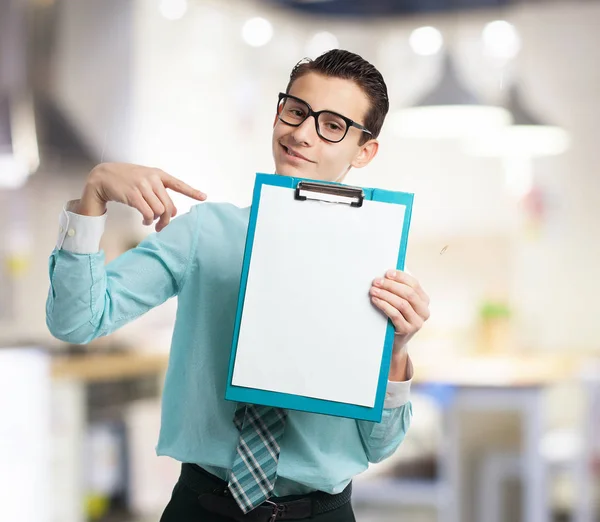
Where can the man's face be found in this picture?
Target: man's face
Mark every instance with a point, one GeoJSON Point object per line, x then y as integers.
{"type": "Point", "coordinates": [300, 152]}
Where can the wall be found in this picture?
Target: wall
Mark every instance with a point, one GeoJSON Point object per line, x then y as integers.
{"type": "Point", "coordinates": [92, 72]}
{"type": "Point", "coordinates": [166, 92]}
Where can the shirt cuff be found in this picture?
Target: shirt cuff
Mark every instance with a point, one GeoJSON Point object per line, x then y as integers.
{"type": "Point", "coordinates": [398, 393]}
{"type": "Point", "coordinates": [77, 233]}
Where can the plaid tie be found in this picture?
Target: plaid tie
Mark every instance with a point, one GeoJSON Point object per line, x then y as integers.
{"type": "Point", "coordinates": [254, 471]}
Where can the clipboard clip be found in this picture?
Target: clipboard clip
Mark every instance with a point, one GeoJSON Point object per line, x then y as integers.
{"type": "Point", "coordinates": [352, 196]}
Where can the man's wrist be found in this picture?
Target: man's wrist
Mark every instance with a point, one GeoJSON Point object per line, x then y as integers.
{"type": "Point", "coordinates": [90, 204]}
{"type": "Point", "coordinates": [400, 363]}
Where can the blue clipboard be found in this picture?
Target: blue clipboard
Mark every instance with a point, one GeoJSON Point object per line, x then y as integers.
{"type": "Point", "coordinates": [302, 188]}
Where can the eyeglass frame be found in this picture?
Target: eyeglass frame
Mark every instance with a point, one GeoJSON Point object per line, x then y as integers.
{"type": "Point", "coordinates": [316, 114]}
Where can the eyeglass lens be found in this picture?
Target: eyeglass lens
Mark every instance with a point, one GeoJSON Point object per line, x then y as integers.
{"type": "Point", "coordinates": [330, 125]}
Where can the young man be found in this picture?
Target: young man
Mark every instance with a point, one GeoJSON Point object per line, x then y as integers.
{"type": "Point", "coordinates": [240, 462]}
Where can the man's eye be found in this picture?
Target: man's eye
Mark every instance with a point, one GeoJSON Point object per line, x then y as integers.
{"type": "Point", "coordinates": [297, 112]}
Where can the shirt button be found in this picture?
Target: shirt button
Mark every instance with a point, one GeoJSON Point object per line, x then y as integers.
{"type": "Point", "coordinates": [71, 232]}
{"type": "Point", "coordinates": [60, 229]}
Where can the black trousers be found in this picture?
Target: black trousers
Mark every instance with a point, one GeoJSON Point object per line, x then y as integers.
{"type": "Point", "coordinates": [184, 507]}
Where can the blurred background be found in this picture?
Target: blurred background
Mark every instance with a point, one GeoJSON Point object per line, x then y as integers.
{"type": "Point", "coordinates": [493, 126]}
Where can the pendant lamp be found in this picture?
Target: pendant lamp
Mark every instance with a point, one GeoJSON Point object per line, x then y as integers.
{"type": "Point", "coordinates": [528, 135]}
{"type": "Point", "coordinates": [18, 141]}
{"type": "Point", "coordinates": [448, 111]}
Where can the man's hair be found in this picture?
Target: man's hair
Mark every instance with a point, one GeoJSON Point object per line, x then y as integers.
{"type": "Point", "coordinates": [338, 63]}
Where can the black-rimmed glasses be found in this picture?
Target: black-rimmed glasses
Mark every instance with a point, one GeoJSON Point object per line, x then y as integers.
{"type": "Point", "coordinates": [330, 126]}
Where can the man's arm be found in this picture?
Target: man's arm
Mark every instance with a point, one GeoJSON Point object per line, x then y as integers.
{"type": "Point", "coordinates": [402, 299]}
{"type": "Point", "coordinates": [381, 439]}
{"type": "Point", "coordinates": [87, 299]}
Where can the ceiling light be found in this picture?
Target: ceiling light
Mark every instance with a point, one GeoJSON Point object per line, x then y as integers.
{"type": "Point", "coordinates": [173, 9]}
{"type": "Point", "coordinates": [501, 40]}
{"type": "Point", "coordinates": [516, 145]}
{"type": "Point", "coordinates": [528, 136]}
{"type": "Point", "coordinates": [13, 173]}
{"type": "Point", "coordinates": [449, 110]}
{"type": "Point", "coordinates": [426, 41]}
{"type": "Point", "coordinates": [257, 32]}
{"type": "Point", "coordinates": [321, 43]}
{"type": "Point", "coordinates": [19, 156]}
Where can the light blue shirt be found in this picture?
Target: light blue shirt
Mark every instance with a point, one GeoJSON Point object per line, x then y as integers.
{"type": "Point", "coordinates": [198, 258]}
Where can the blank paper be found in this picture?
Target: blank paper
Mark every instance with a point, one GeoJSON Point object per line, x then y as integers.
{"type": "Point", "coordinates": [308, 326]}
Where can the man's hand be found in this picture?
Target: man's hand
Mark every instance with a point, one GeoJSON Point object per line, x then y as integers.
{"type": "Point", "coordinates": [142, 188]}
{"type": "Point", "coordinates": [400, 296]}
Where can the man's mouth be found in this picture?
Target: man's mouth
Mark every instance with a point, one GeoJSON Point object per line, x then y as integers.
{"type": "Point", "coordinates": [292, 153]}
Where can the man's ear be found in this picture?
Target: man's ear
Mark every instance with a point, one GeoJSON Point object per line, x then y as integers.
{"type": "Point", "coordinates": [366, 153]}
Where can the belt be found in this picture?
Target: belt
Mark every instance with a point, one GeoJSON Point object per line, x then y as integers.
{"type": "Point", "coordinates": [214, 496]}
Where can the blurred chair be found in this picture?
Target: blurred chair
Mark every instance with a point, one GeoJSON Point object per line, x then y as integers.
{"type": "Point", "coordinates": [579, 454]}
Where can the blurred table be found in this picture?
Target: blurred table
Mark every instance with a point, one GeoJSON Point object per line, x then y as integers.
{"type": "Point", "coordinates": [498, 383]}
{"type": "Point", "coordinates": [480, 384]}
{"type": "Point", "coordinates": [71, 376]}
{"type": "Point", "coordinates": [108, 366]}
{"type": "Point", "coordinates": [499, 371]}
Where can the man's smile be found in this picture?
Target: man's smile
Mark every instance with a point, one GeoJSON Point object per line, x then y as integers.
{"type": "Point", "coordinates": [291, 153]}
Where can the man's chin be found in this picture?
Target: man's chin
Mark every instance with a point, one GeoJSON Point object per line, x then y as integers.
{"type": "Point", "coordinates": [291, 171]}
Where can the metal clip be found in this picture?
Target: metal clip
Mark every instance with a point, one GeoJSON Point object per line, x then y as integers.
{"type": "Point", "coordinates": [331, 193]}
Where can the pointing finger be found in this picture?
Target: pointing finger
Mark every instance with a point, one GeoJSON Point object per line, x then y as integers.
{"type": "Point", "coordinates": [183, 188]}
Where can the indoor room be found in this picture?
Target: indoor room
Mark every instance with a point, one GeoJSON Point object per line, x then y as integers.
{"type": "Point", "coordinates": [130, 334]}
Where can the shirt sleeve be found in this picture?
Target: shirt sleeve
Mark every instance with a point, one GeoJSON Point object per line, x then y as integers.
{"type": "Point", "coordinates": [381, 439]}
{"type": "Point", "coordinates": [88, 299]}
{"type": "Point", "coordinates": [77, 233]}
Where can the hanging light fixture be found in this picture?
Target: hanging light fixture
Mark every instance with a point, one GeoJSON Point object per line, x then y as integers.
{"type": "Point", "coordinates": [518, 144]}
{"type": "Point", "coordinates": [18, 140]}
{"type": "Point", "coordinates": [528, 135]}
{"type": "Point", "coordinates": [19, 156]}
{"type": "Point", "coordinates": [449, 110]}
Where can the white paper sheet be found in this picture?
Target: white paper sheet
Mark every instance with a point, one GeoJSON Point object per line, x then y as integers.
{"type": "Point", "coordinates": [308, 326]}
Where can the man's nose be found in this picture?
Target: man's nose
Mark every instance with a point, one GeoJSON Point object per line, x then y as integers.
{"type": "Point", "coordinates": [306, 132]}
